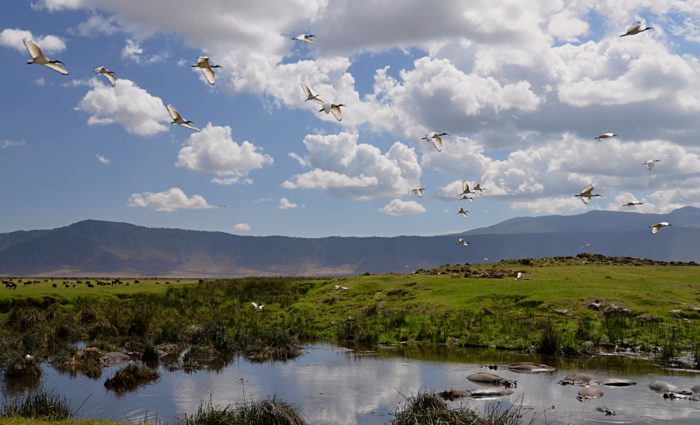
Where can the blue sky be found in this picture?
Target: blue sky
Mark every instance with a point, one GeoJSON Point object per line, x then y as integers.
{"type": "Point", "coordinates": [520, 90]}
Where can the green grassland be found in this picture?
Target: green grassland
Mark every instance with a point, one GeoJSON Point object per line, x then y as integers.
{"type": "Point", "coordinates": [438, 308]}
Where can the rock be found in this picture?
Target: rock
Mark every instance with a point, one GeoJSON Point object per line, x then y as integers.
{"type": "Point", "coordinates": [114, 358]}
{"type": "Point", "coordinates": [576, 378]}
{"type": "Point", "coordinates": [616, 310]}
{"type": "Point", "coordinates": [563, 311]}
{"type": "Point", "coordinates": [528, 367]}
{"type": "Point", "coordinates": [489, 378]}
{"type": "Point", "coordinates": [648, 318]}
{"type": "Point", "coordinates": [614, 382]}
{"type": "Point", "coordinates": [663, 387]}
{"type": "Point", "coordinates": [595, 305]}
{"type": "Point", "coordinates": [589, 392]}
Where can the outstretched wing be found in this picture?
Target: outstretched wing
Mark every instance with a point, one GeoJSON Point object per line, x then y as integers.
{"type": "Point", "coordinates": [337, 113]}
{"type": "Point", "coordinates": [586, 192]}
{"type": "Point", "coordinates": [654, 229]}
{"type": "Point", "coordinates": [110, 76]}
{"type": "Point", "coordinates": [209, 75]}
{"type": "Point", "coordinates": [437, 142]}
{"type": "Point", "coordinates": [189, 125]}
{"type": "Point", "coordinates": [58, 67]}
{"type": "Point", "coordinates": [634, 27]}
{"type": "Point", "coordinates": [32, 48]}
{"type": "Point", "coordinates": [173, 113]}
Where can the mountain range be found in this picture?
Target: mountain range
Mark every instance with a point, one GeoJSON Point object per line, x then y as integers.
{"type": "Point", "coordinates": [102, 248]}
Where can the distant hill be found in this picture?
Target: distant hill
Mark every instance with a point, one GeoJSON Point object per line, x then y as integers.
{"type": "Point", "coordinates": [107, 248]}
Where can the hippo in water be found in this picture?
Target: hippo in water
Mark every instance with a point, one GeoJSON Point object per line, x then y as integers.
{"type": "Point", "coordinates": [573, 378]}
{"type": "Point", "coordinates": [663, 387]}
{"type": "Point", "coordinates": [589, 392]}
{"type": "Point", "coordinates": [528, 367]}
{"type": "Point", "coordinates": [695, 389]}
{"type": "Point", "coordinates": [489, 378]}
{"type": "Point", "coordinates": [606, 410]}
{"type": "Point", "coordinates": [453, 394]}
{"type": "Point", "coordinates": [614, 382]}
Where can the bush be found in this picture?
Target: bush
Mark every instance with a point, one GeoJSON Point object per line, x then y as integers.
{"type": "Point", "coordinates": [429, 409]}
{"type": "Point", "coordinates": [17, 366]}
{"type": "Point", "coordinates": [550, 341]}
{"type": "Point", "coordinates": [38, 405]}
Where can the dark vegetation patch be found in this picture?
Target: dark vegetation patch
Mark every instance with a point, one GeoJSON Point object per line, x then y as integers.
{"type": "Point", "coordinates": [38, 405]}
{"type": "Point", "coordinates": [131, 377]}
{"type": "Point", "coordinates": [265, 412]}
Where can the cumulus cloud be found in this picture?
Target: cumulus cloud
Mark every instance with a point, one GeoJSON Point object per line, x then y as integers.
{"type": "Point", "coordinates": [12, 38]}
{"type": "Point", "coordinates": [242, 227]}
{"type": "Point", "coordinates": [285, 204]}
{"type": "Point", "coordinates": [132, 51]}
{"type": "Point", "coordinates": [96, 25]}
{"type": "Point", "coordinates": [126, 104]}
{"type": "Point", "coordinates": [213, 151]}
{"type": "Point", "coordinates": [170, 200]}
{"type": "Point", "coordinates": [399, 207]}
{"type": "Point", "coordinates": [355, 170]}
{"type": "Point", "coordinates": [103, 159]}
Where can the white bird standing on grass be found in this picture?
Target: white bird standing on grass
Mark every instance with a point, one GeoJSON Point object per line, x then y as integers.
{"type": "Point", "coordinates": [635, 28]}
{"type": "Point", "coordinates": [334, 108]}
{"type": "Point", "coordinates": [603, 136]}
{"type": "Point", "coordinates": [177, 118]}
{"type": "Point", "coordinates": [257, 307]}
{"type": "Point", "coordinates": [658, 226]}
{"type": "Point", "coordinates": [650, 163]}
{"type": "Point", "coordinates": [109, 75]}
{"type": "Point", "coordinates": [586, 194]}
{"type": "Point", "coordinates": [38, 58]}
{"type": "Point", "coordinates": [519, 275]}
{"type": "Point", "coordinates": [435, 139]}
{"type": "Point", "coordinates": [342, 288]}
{"type": "Point", "coordinates": [207, 68]}
{"type": "Point", "coordinates": [464, 213]}
{"type": "Point", "coordinates": [462, 242]}
{"type": "Point", "coordinates": [306, 38]}
{"type": "Point", "coordinates": [418, 191]}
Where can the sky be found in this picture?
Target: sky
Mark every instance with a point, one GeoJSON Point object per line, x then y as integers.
{"type": "Point", "coordinates": [521, 88]}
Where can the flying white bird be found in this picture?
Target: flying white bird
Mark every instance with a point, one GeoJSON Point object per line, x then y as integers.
{"type": "Point", "coordinates": [177, 118]}
{"type": "Point", "coordinates": [306, 38]}
{"type": "Point", "coordinates": [334, 108]}
{"type": "Point", "coordinates": [435, 139]}
{"type": "Point", "coordinates": [478, 188]}
{"type": "Point", "coordinates": [463, 212]}
{"type": "Point", "coordinates": [466, 197]}
{"type": "Point", "coordinates": [462, 242]}
{"type": "Point", "coordinates": [585, 245]}
{"type": "Point", "coordinates": [310, 95]}
{"type": "Point", "coordinates": [257, 307]}
{"type": "Point", "coordinates": [650, 163]}
{"type": "Point", "coordinates": [658, 226]}
{"type": "Point", "coordinates": [39, 58]}
{"type": "Point", "coordinates": [632, 204]}
{"type": "Point", "coordinates": [586, 194]}
{"type": "Point", "coordinates": [207, 68]}
{"type": "Point", "coordinates": [418, 191]}
{"type": "Point", "coordinates": [109, 75]}
{"type": "Point", "coordinates": [604, 136]}
{"type": "Point", "coordinates": [635, 28]}
{"type": "Point", "coordinates": [342, 288]}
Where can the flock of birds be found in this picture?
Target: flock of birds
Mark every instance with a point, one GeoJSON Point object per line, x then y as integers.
{"type": "Point", "coordinates": [434, 138]}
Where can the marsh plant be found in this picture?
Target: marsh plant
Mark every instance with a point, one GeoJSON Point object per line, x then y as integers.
{"type": "Point", "coordinates": [40, 404]}
{"type": "Point", "coordinates": [265, 412]}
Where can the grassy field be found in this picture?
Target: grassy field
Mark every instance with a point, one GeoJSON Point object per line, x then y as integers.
{"type": "Point", "coordinates": [547, 310]}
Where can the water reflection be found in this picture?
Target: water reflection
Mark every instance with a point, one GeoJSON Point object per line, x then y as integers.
{"type": "Point", "coordinates": [331, 385]}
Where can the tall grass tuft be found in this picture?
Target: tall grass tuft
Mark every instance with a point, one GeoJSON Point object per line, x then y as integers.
{"type": "Point", "coordinates": [266, 412]}
{"type": "Point", "coordinates": [38, 405]}
{"type": "Point", "coordinates": [550, 341]}
{"type": "Point", "coordinates": [429, 409]}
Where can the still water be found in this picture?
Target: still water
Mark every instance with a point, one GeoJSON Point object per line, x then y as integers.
{"type": "Point", "coordinates": [333, 385]}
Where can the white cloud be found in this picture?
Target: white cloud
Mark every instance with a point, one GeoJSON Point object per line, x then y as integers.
{"type": "Point", "coordinates": [399, 207]}
{"type": "Point", "coordinates": [169, 200]}
{"type": "Point", "coordinates": [12, 38]}
{"type": "Point", "coordinates": [103, 159]}
{"type": "Point", "coordinates": [132, 51]}
{"type": "Point", "coordinates": [242, 227]}
{"type": "Point", "coordinates": [302, 161]}
{"type": "Point", "coordinates": [7, 143]}
{"type": "Point", "coordinates": [356, 170]}
{"type": "Point", "coordinates": [96, 25]}
{"type": "Point", "coordinates": [213, 151]}
{"type": "Point", "coordinates": [39, 82]}
{"type": "Point", "coordinates": [551, 205]}
{"type": "Point", "coordinates": [285, 204]}
{"type": "Point", "coordinates": [126, 104]}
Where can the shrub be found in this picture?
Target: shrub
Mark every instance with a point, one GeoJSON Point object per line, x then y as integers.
{"type": "Point", "coordinates": [38, 405]}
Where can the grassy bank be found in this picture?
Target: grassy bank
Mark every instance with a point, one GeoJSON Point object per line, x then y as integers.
{"type": "Point", "coordinates": [642, 307]}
